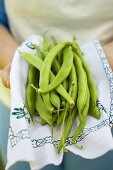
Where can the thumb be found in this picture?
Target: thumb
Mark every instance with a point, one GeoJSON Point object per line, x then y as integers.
{"type": "Point", "coordinates": [5, 76]}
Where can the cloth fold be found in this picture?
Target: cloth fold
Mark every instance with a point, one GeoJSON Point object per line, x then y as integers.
{"type": "Point", "coordinates": [33, 142]}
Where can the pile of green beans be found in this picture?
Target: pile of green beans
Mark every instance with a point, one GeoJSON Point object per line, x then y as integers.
{"type": "Point", "coordinates": [60, 87]}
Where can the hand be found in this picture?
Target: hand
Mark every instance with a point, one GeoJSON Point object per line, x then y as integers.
{"type": "Point", "coordinates": [5, 75]}
{"type": "Point", "coordinates": [108, 49]}
{"type": "Point", "coordinates": [8, 45]}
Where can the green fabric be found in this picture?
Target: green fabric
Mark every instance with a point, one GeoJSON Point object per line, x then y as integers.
{"type": "Point", "coordinates": [1, 164]}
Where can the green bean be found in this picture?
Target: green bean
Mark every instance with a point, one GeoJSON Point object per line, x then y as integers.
{"type": "Point", "coordinates": [53, 44]}
{"type": "Point", "coordinates": [62, 74]}
{"type": "Point", "coordinates": [61, 117]}
{"type": "Point", "coordinates": [54, 40]}
{"type": "Point", "coordinates": [83, 119]}
{"type": "Point", "coordinates": [82, 84]}
{"type": "Point", "coordinates": [59, 57]}
{"type": "Point", "coordinates": [65, 150]}
{"type": "Point", "coordinates": [44, 74]}
{"type": "Point", "coordinates": [30, 92]}
{"type": "Point", "coordinates": [55, 100]}
{"type": "Point", "coordinates": [94, 112]}
{"type": "Point", "coordinates": [39, 52]}
{"type": "Point", "coordinates": [31, 59]}
{"type": "Point", "coordinates": [46, 99]}
{"type": "Point", "coordinates": [29, 102]}
{"type": "Point", "coordinates": [43, 122]}
{"type": "Point", "coordinates": [50, 47]}
{"type": "Point", "coordinates": [55, 66]}
{"type": "Point", "coordinates": [36, 62]}
{"type": "Point", "coordinates": [68, 127]}
{"type": "Point", "coordinates": [54, 118]}
{"type": "Point", "coordinates": [64, 83]}
{"type": "Point", "coordinates": [26, 104]}
{"type": "Point", "coordinates": [73, 81]}
{"type": "Point", "coordinates": [42, 111]}
{"type": "Point", "coordinates": [45, 44]}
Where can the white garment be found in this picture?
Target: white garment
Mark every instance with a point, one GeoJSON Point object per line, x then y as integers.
{"type": "Point", "coordinates": [86, 19]}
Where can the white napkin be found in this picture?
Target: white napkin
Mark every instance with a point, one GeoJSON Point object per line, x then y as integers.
{"type": "Point", "coordinates": [33, 142]}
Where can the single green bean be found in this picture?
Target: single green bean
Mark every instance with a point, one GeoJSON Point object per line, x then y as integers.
{"type": "Point", "coordinates": [83, 119]}
{"type": "Point", "coordinates": [30, 92]}
{"type": "Point", "coordinates": [45, 44]}
{"type": "Point", "coordinates": [63, 101]}
{"type": "Point", "coordinates": [43, 122]}
{"type": "Point", "coordinates": [82, 84]}
{"type": "Point", "coordinates": [63, 114]}
{"type": "Point", "coordinates": [55, 100]}
{"type": "Point", "coordinates": [95, 112]}
{"type": "Point", "coordinates": [55, 66]}
{"type": "Point", "coordinates": [54, 43]}
{"type": "Point", "coordinates": [42, 111]}
{"type": "Point", "coordinates": [73, 81]}
{"type": "Point", "coordinates": [54, 40]}
{"type": "Point", "coordinates": [39, 52]}
{"type": "Point", "coordinates": [59, 57]}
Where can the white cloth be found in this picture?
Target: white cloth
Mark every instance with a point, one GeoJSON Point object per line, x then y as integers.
{"type": "Point", "coordinates": [33, 142]}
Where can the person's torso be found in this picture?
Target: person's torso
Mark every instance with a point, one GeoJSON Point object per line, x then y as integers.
{"type": "Point", "coordinates": [87, 20]}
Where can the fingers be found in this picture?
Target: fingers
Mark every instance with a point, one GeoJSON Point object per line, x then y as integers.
{"type": "Point", "coordinates": [5, 76]}
{"type": "Point", "coordinates": [108, 49]}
